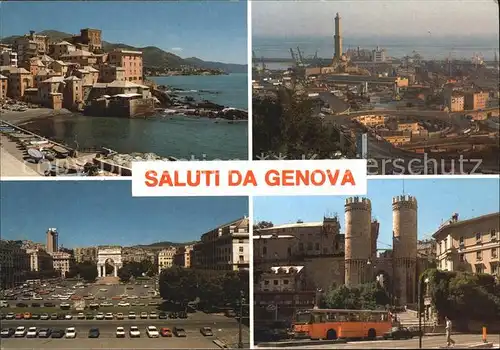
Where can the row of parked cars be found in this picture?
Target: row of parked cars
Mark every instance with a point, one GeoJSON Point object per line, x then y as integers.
{"type": "Point", "coordinates": [70, 332]}
{"type": "Point", "coordinates": [91, 316]}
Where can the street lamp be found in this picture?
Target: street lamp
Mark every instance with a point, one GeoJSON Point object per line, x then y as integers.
{"type": "Point", "coordinates": [421, 281]}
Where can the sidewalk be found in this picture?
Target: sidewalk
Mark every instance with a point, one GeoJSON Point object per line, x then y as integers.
{"type": "Point", "coordinates": [10, 166]}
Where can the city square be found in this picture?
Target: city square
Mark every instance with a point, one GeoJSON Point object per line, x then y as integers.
{"type": "Point", "coordinates": [52, 288]}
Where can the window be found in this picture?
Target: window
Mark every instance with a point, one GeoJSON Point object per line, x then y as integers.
{"type": "Point", "coordinates": [461, 241]}
{"type": "Point", "coordinates": [289, 251]}
{"type": "Point", "coordinates": [301, 247]}
{"type": "Point", "coordinates": [493, 235]}
{"type": "Point", "coordinates": [462, 257]}
{"type": "Point", "coordinates": [309, 246]}
{"type": "Point", "coordinates": [479, 255]}
{"type": "Point", "coordinates": [275, 282]}
{"type": "Point", "coordinates": [285, 281]}
{"type": "Point", "coordinates": [494, 253]}
{"type": "Point", "coordinates": [317, 246]}
{"type": "Point", "coordinates": [494, 269]}
{"type": "Point", "coordinates": [266, 282]}
{"type": "Point", "coordinates": [242, 258]}
{"type": "Point", "coordinates": [241, 249]}
{"type": "Point", "coordinates": [479, 269]}
{"type": "Point", "coordinates": [478, 237]}
{"type": "Point", "coordinates": [264, 250]}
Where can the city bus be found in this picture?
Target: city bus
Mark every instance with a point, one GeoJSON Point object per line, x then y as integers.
{"type": "Point", "coordinates": [334, 324]}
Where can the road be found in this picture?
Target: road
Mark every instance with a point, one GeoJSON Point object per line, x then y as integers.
{"type": "Point", "coordinates": [429, 342]}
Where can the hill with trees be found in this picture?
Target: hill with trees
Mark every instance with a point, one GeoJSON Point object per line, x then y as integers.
{"type": "Point", "coordinates": [153, 56]}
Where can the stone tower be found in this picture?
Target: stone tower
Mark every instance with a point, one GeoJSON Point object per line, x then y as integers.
{"type": "Point", "coordinates": [404, 226]}
{"type": "Point", "coordinates": [338, 38]}
{"type": "Point", "coordinates": [357, 240]}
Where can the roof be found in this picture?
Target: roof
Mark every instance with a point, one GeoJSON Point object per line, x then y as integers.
{"type": "Point", "coordinates": [45, 71]}
{"type": "Point", "coordinates": [54, 80]}
{"type": "Point", "coordinates": [78, 53]}
{"type": "Point", "coordinates": [72, 78]}
{"type": "Point", "coordinates": [46, 58]}
{"type": "Point", "coordinates": [90, 69]}
{"type": "Point", "coordinates": [122, 84]}
{"type": "Point", "coordinates": [19, 71]}
{"type": "Point", "coordinates": [64, 42]}
{"type": "Point", "coordinates": [451, 224]}
{"type": "Point", "coordinates": [127, 95]}
{"type": "Point", "coordinates": [295, 225]}
{"type": "Point", "coordinates": [100, 85]}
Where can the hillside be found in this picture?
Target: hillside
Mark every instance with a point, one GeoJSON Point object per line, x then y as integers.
{"type": "Point", "coordinates": [164, 244]}
{"type": "Point", "coordinates": [152, 55]}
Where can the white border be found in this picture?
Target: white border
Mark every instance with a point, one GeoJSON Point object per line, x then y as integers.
{"type": "Point", "coordinates": [249, 79]}
{"type": "Point", "coordinates": [251, 281]}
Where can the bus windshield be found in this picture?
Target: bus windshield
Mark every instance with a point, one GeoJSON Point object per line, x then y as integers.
{"type": "Point", "coordinates": [303, 318]}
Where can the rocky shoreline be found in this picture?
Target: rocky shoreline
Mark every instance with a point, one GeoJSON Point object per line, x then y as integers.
{"type": "Point", "coordinates": [188, 106]}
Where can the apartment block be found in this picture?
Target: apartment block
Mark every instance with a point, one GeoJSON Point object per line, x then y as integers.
{"type": "Point", "coordinates": [471, 245]}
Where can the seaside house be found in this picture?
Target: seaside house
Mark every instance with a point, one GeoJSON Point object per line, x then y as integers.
{"type": "Point", "coordinates": [19, 79]}
{"type": "Point", "coordinates": [82, 57]}
{"type": "Point", "coordinates": [59, 67]}
{"type": "Point", "coordinates": [50, 92]}
{"type": "Point", "coordinates": [31, 95]}
{"type": "Point", "coordinates": [109, 73]}
{"type": "Point", "coordinates": [44, 74]}
{"type": "Point", "coordinates": [3, 87]}
{"type": "Point", "coordinates": [46, 60]}
{"type": "Point", "coordinates": [33, 65]}
{"type": "Point", "coordinates": [73, 93]}
{"type": "Point", "coordinates": [131, 61]}
{"type": "Point", "coordinates": [61, 48]}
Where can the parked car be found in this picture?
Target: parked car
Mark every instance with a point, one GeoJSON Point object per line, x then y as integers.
{"type": "Point", "coordinates": [32, 332]}
{"type": "Point", "coordinates": [153, 315]}
{"type": "Point", "coordinates": [94, 332]}
{"type": "Point", "coordinates": [44, 316]}
{"type": "Point", "coordinates": [20, 332]}
{"type": "Point", "coordinates": [57, 333]}
{"type": "Point", "coordinates": [166, 332]}
{"type": "Point", "coordinates": [120, 332]}
{"type": "Point", "coordinates": [119, 316]}
{"type": "Point", "coordinates": [109, 316]}
{"type": "Point", "coordinates": [152, 332]}
{"type": "Point", "coordinates": [206, 331]}
{"type": "Point", "coordinates": [80, 316]}
{"type": "Point", "coordinates": [179, 332]}
{"type": "Point", "coordinates": [162, 315]}
{"type": "Point", "coordinates": [70, 333]}
{"type": "Point", "coordinates": [134, 332]}
{"type": "Point", "coordinates": [7, 332]}
{"type": "Point", "coordinates": [89, 316]}
{"type": "Point", "coordinates": [131, 315]}
{"type": "Point", "coordinates": [144, 315]}
{"type": "Point", "coordinates": [44, 333]}
{"type": "Point", "coordinates": [398, 333]}
{"type": "Point", "coordinates": [99, 316]}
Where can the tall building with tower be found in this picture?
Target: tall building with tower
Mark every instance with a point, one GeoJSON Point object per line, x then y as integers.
{"type": "Point", "coordinates": [338, 38]}
{"type": "Point", "coordinates": [404, 225]}
{"type": "Point", "coordinates": [358, 227]}
{"type": "Point", "coordinates": [52, 240]}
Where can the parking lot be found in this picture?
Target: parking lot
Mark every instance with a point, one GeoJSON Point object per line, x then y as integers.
{"type": "Point", "coordinates": [136, 297]}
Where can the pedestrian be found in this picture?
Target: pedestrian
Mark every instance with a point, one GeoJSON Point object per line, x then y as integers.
{"type": "Point", "coordinates": [449, 341]}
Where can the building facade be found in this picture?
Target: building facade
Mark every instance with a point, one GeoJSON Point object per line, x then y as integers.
{"type": "Point", "coordinates": [40, 260]}
{"type": "Point", "coordinates": [183, 256]}
{"type": "Point", "coordinates": [86, 254]}
{"type": "Point", "coordinates": [62, 262]}
{"type": "Point", "coordinates": [471, 245]}
{"type": "Point", "coordinates": [52, 240]}
{"type": "Point", "coordinates": [130, 61]}
{"type": "Point", "coordinates": [224, 248]}
{"type": "Point", "coordinates": [14, 263]}
{"type": "Point", "coordinates": [166, 258]}
{"type": "Point", "coordinates": [476, 100]}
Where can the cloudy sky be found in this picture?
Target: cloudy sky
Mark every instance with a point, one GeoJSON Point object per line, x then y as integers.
{"type": "Point", "coordinates": [366, 17]}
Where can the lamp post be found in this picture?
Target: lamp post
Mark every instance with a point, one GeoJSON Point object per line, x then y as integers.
{"type": "Point", "coordinates": [421, 281]}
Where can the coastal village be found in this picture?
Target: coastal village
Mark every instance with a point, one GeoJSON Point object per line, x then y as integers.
{"type": "Point", "coordinates": [74, 74]}
{"type": "Point", "coordinates": [77, 75]}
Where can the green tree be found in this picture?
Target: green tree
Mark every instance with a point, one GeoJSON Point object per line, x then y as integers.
{"type": "Point", "coordinates": [124, 274]}
{"type": "Point", "coordinates": [287, 125]}
{"type": "Point", "coordinates": [87, 271]}
{"type": "Point", "coordinates": [262, 224]}
{"type": "Point", "coordinates": [367, 296]}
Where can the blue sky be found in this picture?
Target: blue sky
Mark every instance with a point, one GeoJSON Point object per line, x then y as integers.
{"type": "Point", "coordinates": [391, 18]}
{"type": "Point", "coordinates": [89, 213]}
{"type": "Point", "coordinates": [210, 30]}
{"type": "Point", "coordinates": [437, 200]}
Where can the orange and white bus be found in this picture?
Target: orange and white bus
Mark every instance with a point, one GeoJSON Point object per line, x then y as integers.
{"type": "Point", "coordinates": [334, 324]}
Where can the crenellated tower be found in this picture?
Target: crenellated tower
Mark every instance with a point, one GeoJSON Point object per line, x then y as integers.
{"type": "Point", "coordinates": [404, 226]}
{"type": "Point", "coordinates": [357, 240]}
